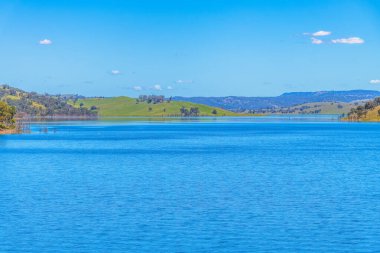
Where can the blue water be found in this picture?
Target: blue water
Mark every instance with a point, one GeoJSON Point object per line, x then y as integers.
{"type": "Point", "coordinates": [227, 185]}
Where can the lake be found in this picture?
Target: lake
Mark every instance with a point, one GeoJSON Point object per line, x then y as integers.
{"type": "Point", "coordinates": [268, 184]}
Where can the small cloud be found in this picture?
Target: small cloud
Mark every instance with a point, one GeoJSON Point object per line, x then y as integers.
{"type": "Point", "coordinates": [45, 42]}
{"type": "Point", "coordinates": [115, 72]}
{"type": "Point", "coordinates": [321, 33]}
{"type": "Point", "coordinates": [316, 41]}
{"type": "Point", "coordinates": [184, 81]}
{"type": "Point", "coordinates": [137, 88]}
{"type": "Point", "coordinates": [170, 87]}
{"type": "Point", "coordinates": [157, 87]}
{"type": "Point", "coordinates": [375, 81]}
{"type": "Point", "coordinates": [352, 40]}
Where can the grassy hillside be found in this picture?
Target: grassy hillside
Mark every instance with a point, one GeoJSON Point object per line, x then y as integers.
{"type": "Point", "coordinates": [373, 115]}
{"type": "Point", "coordinates": [370, 112]}
{"type": "Point", "coordinates": [126, 106]}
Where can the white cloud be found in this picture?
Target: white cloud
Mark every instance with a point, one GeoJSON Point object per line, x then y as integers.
{"type": "Point", "coordinates": [321, 33]}
{"type": "Point", "coordinates": [352, 40]}
{"type": "Point", "coordinates": [184, 81]}
{"type": "Point", "coordinates": [375, 81]}
{"type": "Point", "coordinates": [115, 72]}
{"type": "Point", "coordinates": [45, 42]}
{"type": "Point", "coordinates": [137, 88]}
{"type": "Point", "coordinates": [157, 87]}
{"type": "Point", "coordinates": [170, 87]}
{"type": "Point", "coordinates": [316, 41]}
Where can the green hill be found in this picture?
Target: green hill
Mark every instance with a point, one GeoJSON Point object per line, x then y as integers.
{"type": "Point", "coordinates": [126, 106]}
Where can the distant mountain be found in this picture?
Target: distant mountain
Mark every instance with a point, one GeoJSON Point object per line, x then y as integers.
{"type": "Point", "coordinates": [340, 108]}
{"type": "Point", "coordinates": [290, 99]}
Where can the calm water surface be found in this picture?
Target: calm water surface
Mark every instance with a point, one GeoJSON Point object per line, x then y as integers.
{"type": "Point", "coordinates": [227, 185]}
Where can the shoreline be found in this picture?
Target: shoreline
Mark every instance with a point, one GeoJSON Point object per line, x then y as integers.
{"type": "Point", "coordinates": [8, 131]}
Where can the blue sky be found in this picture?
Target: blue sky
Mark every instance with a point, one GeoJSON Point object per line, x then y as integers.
{"type": "Point", "coordinates": [189, 48]}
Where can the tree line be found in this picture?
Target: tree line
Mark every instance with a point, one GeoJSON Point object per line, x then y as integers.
{"type": "Point", "coordinates": [34, 104]}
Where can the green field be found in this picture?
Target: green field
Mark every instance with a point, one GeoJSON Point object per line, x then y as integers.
{"type": "Point", "coordinates": [126, 106]}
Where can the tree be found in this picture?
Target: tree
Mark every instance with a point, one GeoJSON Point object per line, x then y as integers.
{"type": "Point", "coordinates": [194, 111]}
{"type": "Point", "coordinates": [214, 112]}
{"type": "Point", "coordinates": [184, 111]}
{"type": "Point", "coordinates": [7, 114]}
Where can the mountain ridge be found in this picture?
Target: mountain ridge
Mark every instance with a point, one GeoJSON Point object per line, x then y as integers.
{"type": "Point", "coordinates": [288, 99]}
